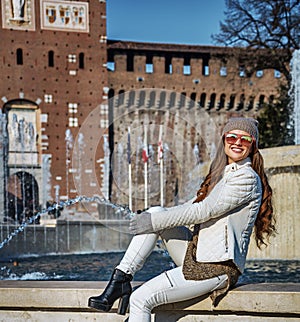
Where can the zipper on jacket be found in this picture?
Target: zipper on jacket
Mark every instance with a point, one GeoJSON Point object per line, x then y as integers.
{"type": "Point", "coordinates": [169, 279]}
{"type": "Point", "coordinates": [226, 238]}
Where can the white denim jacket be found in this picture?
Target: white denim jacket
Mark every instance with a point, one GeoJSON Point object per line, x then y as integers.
{"type": "Point", "coordinates": [226, 216]}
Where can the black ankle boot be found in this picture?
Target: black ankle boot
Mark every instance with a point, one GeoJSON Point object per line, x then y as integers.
{"type": "Point", "coordinates": [118, 287]}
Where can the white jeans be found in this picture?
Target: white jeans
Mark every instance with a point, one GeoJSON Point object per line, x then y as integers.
{"type": "Point", "coordinates": [168, 287]}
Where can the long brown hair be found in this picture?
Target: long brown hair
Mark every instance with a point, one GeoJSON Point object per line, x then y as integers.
{"type": "Point", "coordinates": [264, 226]}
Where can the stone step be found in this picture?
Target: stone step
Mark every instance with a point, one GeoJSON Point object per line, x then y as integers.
{"type": "Point", "coordinates": [67, 301]}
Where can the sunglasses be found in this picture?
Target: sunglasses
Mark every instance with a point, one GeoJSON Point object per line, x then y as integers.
{"type": "Point", "coordinates": [232, 138]}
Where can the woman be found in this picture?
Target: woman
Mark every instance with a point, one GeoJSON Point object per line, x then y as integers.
{"type": "Point", "coordinates": [234, 197]}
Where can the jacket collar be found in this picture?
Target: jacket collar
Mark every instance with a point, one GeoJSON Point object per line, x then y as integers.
{"type": "Point", "coordinates": [238, 165]}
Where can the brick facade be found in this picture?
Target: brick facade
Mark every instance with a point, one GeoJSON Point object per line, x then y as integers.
{"type": "Point", "coordinates": [60, 72]}
{"type": "Point", "coordinates": [190, 91]}
{"type": "Point", "coordinates": [85, 93]}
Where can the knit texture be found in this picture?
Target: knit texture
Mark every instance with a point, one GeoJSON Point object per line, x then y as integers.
{"type": "Point", "coordinates": [249, 125]}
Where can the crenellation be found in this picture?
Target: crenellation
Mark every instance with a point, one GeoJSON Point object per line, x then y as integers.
{"type": "Point", "coordinates": [159, 64]}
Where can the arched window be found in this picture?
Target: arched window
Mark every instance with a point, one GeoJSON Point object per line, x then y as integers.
{"type": "Point", "coordinates": [241, 104]}
{"type": "Point", "coordinates": [231, 102]}
{"type": "Point", "coordinates": [202, 99]}
{"type": "Point", "coordinates": [131, 98]}
{"type": "Point", "coordinates": [212, 101]}
{"type": "Point", "coordinates": [81, 60]}
{"type": "Point", "coordinates": [51, 58]}
{"type": "Point", "coordinates": [182, 99]}
{"type": "Point", "coordinates": [172, 99]}
{"type": "Point", "coordinates": [251, 103]}
{"type": "Point", "coordinates": [162, 99]}
{"type": "Point", "coordinates": [152, 98]}
{"type": "Point", "coordinates": [261, 101]}
{"type": "Point", "coordinates": [121, 97]}
{"type": "Point", "coordinates": [19, 56]}
{"type": "Point", "coordinates": [222, 101]}
{"type": "Point", "coordinates": [192, 100]}
{"type": "Point", "coordinates": [142, 97]}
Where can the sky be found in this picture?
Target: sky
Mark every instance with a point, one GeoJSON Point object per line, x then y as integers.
{"type": "Point", "coordinates": [164, 21]}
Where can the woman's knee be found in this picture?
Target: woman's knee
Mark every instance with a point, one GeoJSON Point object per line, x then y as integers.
{"type": "Point", "coordinates": [139, 300]}
{"type": "Point", "coordinates": [150, 294]}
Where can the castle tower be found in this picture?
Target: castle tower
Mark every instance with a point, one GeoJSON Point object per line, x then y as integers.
{"type": "Point", "coordinates": [53, 75]}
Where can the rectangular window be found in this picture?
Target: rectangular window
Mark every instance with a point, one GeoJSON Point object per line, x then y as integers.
{"type": "Point", "coordinates": [242, 72]}
{"type": "Point", "coordinates": [44, 118]}
{"type": "Point", "coordinates": [223, 71]}
{"type": "Point", "coordinates": [149, 68]}
{"type": "Point", "coordinates": [19, 56]}
{"type": "Point", "coordinates": [73, 122]}
{"type": "Point", "coordinates": [48, 98]}
{"type": "Point", "coordinates": [73, 107]}
{"type": "Point", "coordinates": [259, 73]}
{"type": "Point", "coordinates": [277, 73]}
{"type": "Point", "coordinates": [104, 109]}
{"type": "Point", "coordinates": [110, 66]}
{"type": "Point", "coordinates": [103, 124]}
{"type": "Point", "coordinates": [187, 70]}
{"type": "Point", "coordinates": [72, 58]}
{"type": "Point", "coordinates": [206, 70]}
{"type": "Point", "coordinates": [103, 39]}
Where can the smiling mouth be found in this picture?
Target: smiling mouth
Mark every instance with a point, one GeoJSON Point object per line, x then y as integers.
{"type": "Point", "coordinates": [236, 149]}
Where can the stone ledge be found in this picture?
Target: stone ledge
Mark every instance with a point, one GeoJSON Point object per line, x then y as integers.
{"type": "Point", "coordinates": [67, 298]}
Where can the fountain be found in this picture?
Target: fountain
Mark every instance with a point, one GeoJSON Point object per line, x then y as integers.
{"type": "Point", "coordinates": [91, 221]}
{"type": "Point", "coordinates": [295, 93]}
{"type": "Point", "coordinates": [30, 222]}
{"type": "Point", "coordinates": [124, 211]}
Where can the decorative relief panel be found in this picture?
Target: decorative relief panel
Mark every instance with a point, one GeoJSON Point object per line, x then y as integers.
{"type": "Point", "coordinates": [65, 16]}
{"type": "Point", "coordinates": [18, 14]}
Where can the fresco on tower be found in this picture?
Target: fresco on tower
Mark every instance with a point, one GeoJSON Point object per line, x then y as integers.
{"type": "Point", "coordinates": [18, 14]}
{"type": "Point", "coordinates": [64, 16]}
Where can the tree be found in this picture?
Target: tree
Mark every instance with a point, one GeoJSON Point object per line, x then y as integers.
{"type": "Point", "coordinates": [273, 25]}
{"type": "Point", "coordinates": [275, 125]}
{"type": "Point", "coordinates": [272, 29]}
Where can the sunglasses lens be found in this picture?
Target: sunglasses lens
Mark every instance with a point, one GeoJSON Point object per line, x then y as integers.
{"type": "Point", "coordinates": [231, 138]}
{"type": "Point", "coordinates": [246, 140]}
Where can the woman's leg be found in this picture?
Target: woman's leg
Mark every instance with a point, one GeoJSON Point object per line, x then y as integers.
{"type": "Point", "coordinates": [176, 242]}
{"type": "Point", "coordinates": [119, 286]}
{"type": "Point", "coordinates": [141, 246]}
{"type": "Point", "coordinates": [168, 287]}
{"type": "Point", "coordinates": [137, 252]}
{"type": "Point", "coordinates": [133, 260]}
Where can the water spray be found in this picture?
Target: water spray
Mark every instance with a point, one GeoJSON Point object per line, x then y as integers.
{"type": "Point", "coordinates": [119, 209]}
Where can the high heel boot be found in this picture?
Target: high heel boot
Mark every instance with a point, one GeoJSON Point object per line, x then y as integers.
{"type": "Point", "coordinates": [118, 287]}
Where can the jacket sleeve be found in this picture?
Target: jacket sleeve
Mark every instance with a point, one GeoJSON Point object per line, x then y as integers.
{"type": "Point", "coordinates": [236, 189]}
{"type": "Point", "coordinates": [189, 202]}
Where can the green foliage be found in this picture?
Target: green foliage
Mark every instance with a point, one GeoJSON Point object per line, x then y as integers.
{"type": "Point", "coordinates": [275, 123]}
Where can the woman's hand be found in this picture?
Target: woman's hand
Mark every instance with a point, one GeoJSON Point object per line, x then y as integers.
{"type": "Point", "coordinates": [141, 224]}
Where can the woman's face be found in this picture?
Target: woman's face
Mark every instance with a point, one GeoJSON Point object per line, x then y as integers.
{"type": "Point", "coordinates": [237, 145]}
